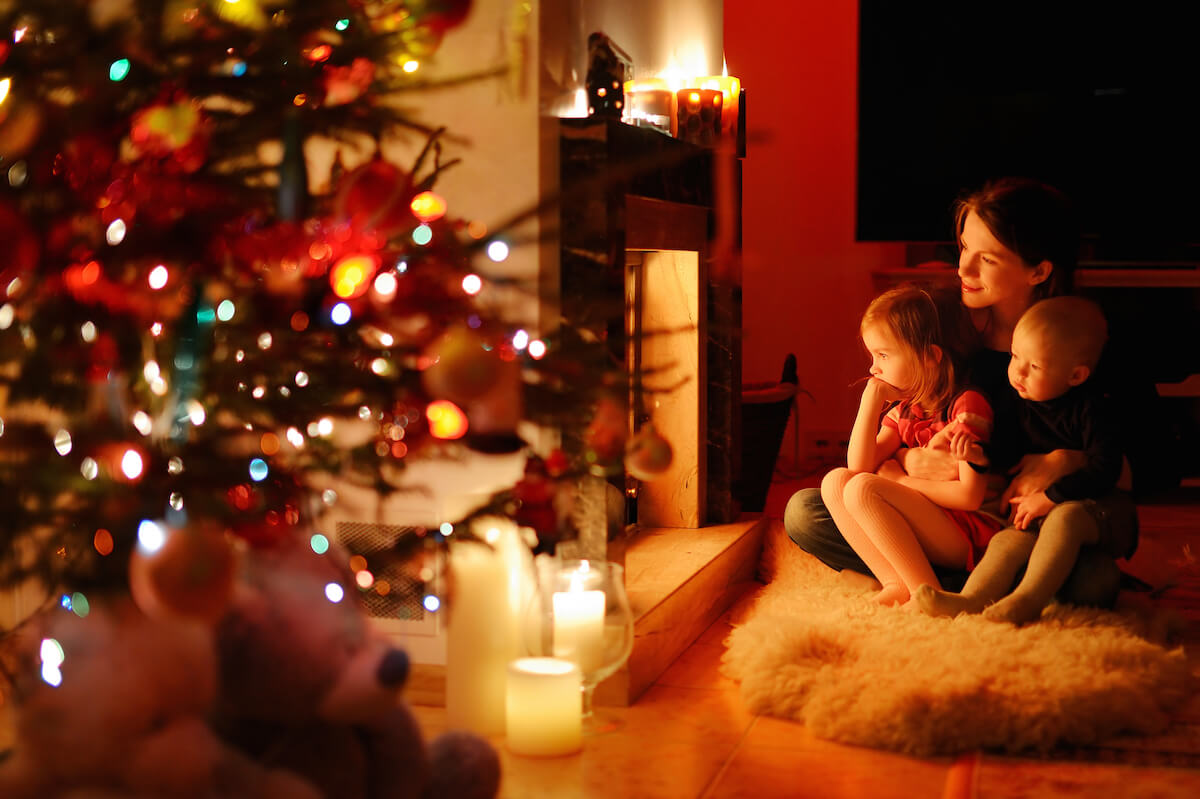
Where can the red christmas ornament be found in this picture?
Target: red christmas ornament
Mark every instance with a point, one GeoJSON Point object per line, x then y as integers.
{"type": "Point", "coordinates": [461, 368]}
{"type": "Point", "coordinates": [176, 132]}
{"type": "Point", "coordinates": [440, 15]}
{"type": "Point", "coordinates": [648, 454]}
{"type": "Point", "coordinates": [184, 572]}
{"type": "Point", "coordinates": [557, 463]}
{"type": "Point", "coordinates": [605, 436]}
{"type": "Point", "coordinates": [21, 245]}
{"type": "Point", "coordinates": [346, 84]}
{"type": "Point", "coordinates": [87, 162]}
{"type": "Point", "coordinates": [375, 196]}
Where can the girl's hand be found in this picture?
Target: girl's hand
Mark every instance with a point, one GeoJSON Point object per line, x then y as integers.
{"type": "Point", "coordinates": [964, 447]}
{"type": "Point", "coordinates": [884, 393]}
{"type": "Point", "coordinates": [1029, 507]}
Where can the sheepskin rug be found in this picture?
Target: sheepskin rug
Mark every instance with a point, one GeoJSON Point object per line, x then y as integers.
{"type": "Point", "coordinates": [812, 648]}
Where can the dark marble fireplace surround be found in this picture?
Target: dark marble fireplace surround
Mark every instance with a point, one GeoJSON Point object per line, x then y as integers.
{"type": "Point", "coordinates": [607, 168]}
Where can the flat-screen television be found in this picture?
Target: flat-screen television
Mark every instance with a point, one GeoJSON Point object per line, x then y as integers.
{"type": "Point", "coordinates": [1099, 99]}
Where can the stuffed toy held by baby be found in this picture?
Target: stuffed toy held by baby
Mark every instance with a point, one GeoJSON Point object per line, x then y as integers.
{"type": "Point", "coordinates": [115, 703]}
{"type": "Point", "coordinates": [307, 684]}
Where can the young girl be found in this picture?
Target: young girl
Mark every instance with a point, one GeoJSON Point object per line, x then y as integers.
{"type": "Point", "coordinates": [898, 527]}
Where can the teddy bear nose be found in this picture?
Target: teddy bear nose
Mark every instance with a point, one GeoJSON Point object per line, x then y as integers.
{"type": "Point", "coordinates": [393, 669]}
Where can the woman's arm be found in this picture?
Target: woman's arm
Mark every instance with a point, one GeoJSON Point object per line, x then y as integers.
{"type": "Point", "coordinates": [964, 493]}
{"type": "Point", "coordinates": [1036, 473]}
{"type": "Point", "coordinates": [928, 463]}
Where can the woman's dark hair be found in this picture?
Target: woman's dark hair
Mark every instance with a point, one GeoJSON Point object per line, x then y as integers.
{"type": "Point", "coordinates": [1035, 221]}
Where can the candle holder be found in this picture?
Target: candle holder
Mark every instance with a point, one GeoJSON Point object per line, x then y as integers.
{"type": "Point", "coordinates": [698, 116]}
{"type": "Point", "coordinates": [581, 613]}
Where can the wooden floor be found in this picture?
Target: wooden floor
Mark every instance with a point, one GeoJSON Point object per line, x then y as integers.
{"type": "Point", "coordinates": [691, 736]}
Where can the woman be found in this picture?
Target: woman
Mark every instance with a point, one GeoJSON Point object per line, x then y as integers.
{"type": "Point", "coordinates": [1018, 243]}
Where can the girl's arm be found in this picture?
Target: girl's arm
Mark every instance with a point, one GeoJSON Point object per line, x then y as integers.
{"type": "Point", "coordinates": [871, 443]}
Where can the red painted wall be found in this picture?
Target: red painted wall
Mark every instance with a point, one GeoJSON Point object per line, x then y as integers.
{"type": "Point", "coordinates": [805, 279]}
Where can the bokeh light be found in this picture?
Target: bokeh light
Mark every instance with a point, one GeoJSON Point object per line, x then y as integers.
{"type": "Point", "coordinates": [258, 470]}
{"type": "Point", "coordinates": [428, 206]}
{"type": "Point", "coordinates": [131, 464]}
{"type": "Point", "coordinates": [446, 420]}
{"type": "Point", "coordinates": [497, 251]}
{"type": "Point", "coordinates": [351, 276]}
{"type": "Point", "coordinates": [151, 536]}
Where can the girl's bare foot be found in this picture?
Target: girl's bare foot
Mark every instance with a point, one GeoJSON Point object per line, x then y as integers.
{"type": "Point", "coordinates": [893, 594]}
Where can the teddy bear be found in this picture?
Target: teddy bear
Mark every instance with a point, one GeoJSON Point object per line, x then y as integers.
{"type": "Point", "coordinates": [308, 684]}
{"type": "Point", "coordinates": [110, 702]}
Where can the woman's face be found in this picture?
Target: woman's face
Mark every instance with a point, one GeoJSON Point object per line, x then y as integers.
{"type": "Point", "coordinates": [991, 273]}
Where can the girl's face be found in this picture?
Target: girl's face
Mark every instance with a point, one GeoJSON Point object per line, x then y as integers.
{"type": "Point", "coordinates": [991, 273]}
{"type": "Point", "coordinates": [890, 362]}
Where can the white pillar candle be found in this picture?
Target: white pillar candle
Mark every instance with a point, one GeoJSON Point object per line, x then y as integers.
{"type": "Point", "coordinates": [508, 542]}
{"type": "Point", "coordinates": [544, 707]}
{"type": "Point", "coordinates": [478, 636]}
{"type": "Point", "coordinates": [579, 625]}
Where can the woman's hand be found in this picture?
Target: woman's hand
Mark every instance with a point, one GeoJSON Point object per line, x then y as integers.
{"type": "Point", "coordinates": [1027, 508]}
{"type": "Point", "coordinates": [1036, 473]}
{"type": "Point", "coordinates": [927, 463]}
{"type": "Point", "coordinates": [891, 469]}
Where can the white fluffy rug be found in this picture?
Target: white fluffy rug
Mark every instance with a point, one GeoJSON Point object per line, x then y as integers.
{"type": "Point", "coordinates": [813, 649]}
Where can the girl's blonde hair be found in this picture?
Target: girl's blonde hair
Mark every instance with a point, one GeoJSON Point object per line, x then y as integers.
{"type": "Point", "coordinates": [919, 323]}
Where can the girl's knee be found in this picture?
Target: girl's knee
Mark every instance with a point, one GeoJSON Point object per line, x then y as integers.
{"type": "Point", "coordinates": [860, 487]}
{"type": "Point", "coordinates": [834, 480]}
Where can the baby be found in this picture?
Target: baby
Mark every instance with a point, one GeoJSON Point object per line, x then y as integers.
{"type": "Point", "coordinates": [1055, 347]}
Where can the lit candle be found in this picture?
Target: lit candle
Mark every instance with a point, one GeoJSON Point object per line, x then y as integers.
{"type": "Point", "coordinates": [731, 90]}
{"type": "Point", "coordinates": [579, 624]}
{"type": "Point", "coordinates": [544, 707]}
{"type": "Point", "coordinates": [478, 639]}
{"type": "Point", "coordinates": [650, 103]}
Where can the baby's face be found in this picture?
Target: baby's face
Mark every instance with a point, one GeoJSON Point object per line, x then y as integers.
{"type": "Point", "coordinates": [1037, 370]}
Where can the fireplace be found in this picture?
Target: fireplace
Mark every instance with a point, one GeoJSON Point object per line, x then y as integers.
{"type": "Point", "coordinates": [640, 231]}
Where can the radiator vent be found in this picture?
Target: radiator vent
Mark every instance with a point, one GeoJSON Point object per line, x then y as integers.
{"type": "Point", "coordinates": [403, 600]}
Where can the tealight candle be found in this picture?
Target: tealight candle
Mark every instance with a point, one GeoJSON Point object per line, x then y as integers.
{"type": "Point", "coordinates": [579, 625]}
{"type": "Point", "coordinates": [650, 103]}
{"type": "Point", "coordinates": [544, 707]}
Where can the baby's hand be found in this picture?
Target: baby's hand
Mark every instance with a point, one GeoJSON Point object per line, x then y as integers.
{"type": "Point", "coordinates": [965, 447]}
{"type": "Point", "coordinates": [1029, 507]}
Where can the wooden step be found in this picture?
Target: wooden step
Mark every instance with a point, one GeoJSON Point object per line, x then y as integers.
{"type": "Point", "coordinates": [679, 582]}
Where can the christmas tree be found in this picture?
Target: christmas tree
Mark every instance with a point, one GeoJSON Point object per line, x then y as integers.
{"type": "Point", "coordinates": [187, 332]}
